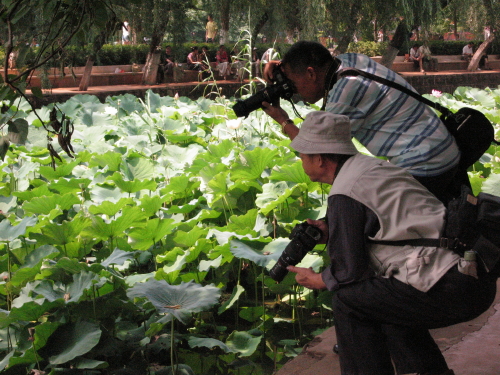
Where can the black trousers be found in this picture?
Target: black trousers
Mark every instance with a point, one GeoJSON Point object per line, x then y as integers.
{"type": "Point", "coordinates": [381, 321]}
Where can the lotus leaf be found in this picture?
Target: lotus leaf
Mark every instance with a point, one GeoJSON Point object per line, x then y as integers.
{"type": "Point", "coordinates": [179, 300]}
{"type": "Point", "coordinates": [243, 343]}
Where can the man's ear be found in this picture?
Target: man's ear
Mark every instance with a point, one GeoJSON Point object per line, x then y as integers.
{"type": "Point", "coordinates": [311, 73]}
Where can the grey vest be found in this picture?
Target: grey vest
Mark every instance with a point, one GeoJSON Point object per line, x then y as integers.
{"type": "Point", "coordinates": [405, 210]}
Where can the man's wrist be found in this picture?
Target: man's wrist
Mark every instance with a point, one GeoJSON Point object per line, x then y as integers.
{"type": "Point", "coordinates": [285, 123]}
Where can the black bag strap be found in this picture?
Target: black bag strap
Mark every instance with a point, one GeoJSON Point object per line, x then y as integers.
{"type": "Point", "coordinates": [356, 72]}
{"type": "Point", "coordinates": [443, 242]}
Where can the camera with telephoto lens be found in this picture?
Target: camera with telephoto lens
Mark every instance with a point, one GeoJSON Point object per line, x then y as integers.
{"type": "Point", "coordinates": [281, 88]}
{"type": "Point", "coordinates": [303, 239]}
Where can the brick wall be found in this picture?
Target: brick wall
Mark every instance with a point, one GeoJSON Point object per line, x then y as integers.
{"type": "Point", "coordinates": [424, 84]}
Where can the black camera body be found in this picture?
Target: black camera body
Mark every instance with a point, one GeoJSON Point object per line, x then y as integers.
{"type": "Point", "coordinates": [282, 88]}
{"type": "Point", "coordinates": [303, 239]}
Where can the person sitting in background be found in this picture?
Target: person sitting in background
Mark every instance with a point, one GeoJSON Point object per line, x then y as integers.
{"type": "Point", "coordinates": [223, 65]}
{"type": "Point", "coordinates": [193, 62]}
{"type": "Point", "coordinates": [468, 52]}
{"type": "Point", "coordinates": [203, 58]}
{"type": "Point", "coordinates": [426, 57]}
{"type": "Point", "coordinates": [415, 56]}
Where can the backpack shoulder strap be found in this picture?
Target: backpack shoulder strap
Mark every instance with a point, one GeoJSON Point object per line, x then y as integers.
{"type": "Point", "coordinates": [356, 72]}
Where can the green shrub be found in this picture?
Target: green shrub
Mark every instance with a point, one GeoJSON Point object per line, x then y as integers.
{"type": "Point", "coordinates": [368, 48]}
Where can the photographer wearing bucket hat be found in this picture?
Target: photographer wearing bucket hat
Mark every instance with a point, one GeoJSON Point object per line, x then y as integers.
{"type": "Point", "coordinates": [386, 297]}
{"type": "Point", "coordinates": [386, 121]}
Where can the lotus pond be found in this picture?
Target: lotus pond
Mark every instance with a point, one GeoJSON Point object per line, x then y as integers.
{"type": "Point", "coordinates": [149, 249]}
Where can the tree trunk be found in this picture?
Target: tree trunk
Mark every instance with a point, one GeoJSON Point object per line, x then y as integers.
{"type": "Point", "coordinates": [397, 42]}
{"type": "Point", "coordinates": [84, 83]}
{"type": "Point", "coordinates": [111, 27]}
{"type": "Point", "coordinates": [224, 22]}
{"type": "Point", "coordinates": [258, 26]}
{"type": "Point", "coordinates": [348, 35]}
{"type": "Point", "coordinates": [153, 59]}
{"type": "Point", "coordinates": [474, 62]}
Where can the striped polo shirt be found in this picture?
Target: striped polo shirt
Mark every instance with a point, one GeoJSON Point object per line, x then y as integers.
{"type": "Point", "coordinates": [390, 123]}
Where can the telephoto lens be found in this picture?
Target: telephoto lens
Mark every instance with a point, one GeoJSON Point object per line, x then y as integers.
{"type": "Point", "coordinates": [303, 239]}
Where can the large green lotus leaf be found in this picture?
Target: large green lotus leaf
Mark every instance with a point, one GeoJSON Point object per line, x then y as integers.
{"type": "Point", "coordinates": [167, 123]}
{"type": "Point", "coordinates": [101, 194]}
{"type": "Point", "coordinates": [292, 173]}
{"type": "Point", "coordinates": [178, 264]}
{"type": "Point", "coordinates": [134, 185]}
{"type": "Point", "coordinates": [254, 252]}
{"type": "Point", "coordinates": [74, 339]}
{"type": "Point", "coordinates": [205, 265]}
{"type": "Point", "coordinates": [61, 234]}
{"type": "Point", "coordinates": [72, 292]}
{"type": "Point", "coordinates": [492, 184]}
{"type": "Point", "coordinates": [42, 190]}
{"type": "Point", "coordinates": [109, 208]}
{"type": "Point", "coordinates": [273, 194]}
{"type": "Point", "coordinates": [476, 181]}
{"type": "Point", "coordinates": [154, 230]}
{"type": "Point", "coordinates": [252, 314]}
{"type": "Point", "coordinates": [180, 157]}
{"type": "Point", "coordinates": [93, 119]}
{"type": "Point", "coordinates": [117, 257]}
{"type": "Point", "coordinates": [110, 159]}
{"type": "Point", "coordinates": [43, 205]}
{"type": "Point", "coordinates": [73, 185]}
{"type": "Point", "coordinates": [206, 342]}
{"type": "Point", "coordinates": [43, 332]}
{"type": "Point", "coordinates": [7, 203]}
{"type": "Point", "coordinates": [30, 310]}
{"type": "Point", "coordinates": [131, 216]}
{"type": "Point", "coordinates": [152, 204]}
{"type": "Point", "coordinates": [22, 360]}
{"type": "Point", "coordinates": [85, 363]}
{"type": "Point", "coordinates": [238, 289]}
{"type": "Point", "coordinates": [138, 278]}
{"type": "Point", "coordinates": [480, 97]}
{"type": "Point", "coordinates": [217, 151]}
{"type": "Point", "coordinates": [63, 170]}
{"type": "Point", "coordinates": [243, 343]}
{"type": "Point", "coordinates": [188, 239]}
{"type": "Point", "coordinates": [38, 255]}
{"type": "Point", "coordinates": [251, 164]}
{"type": "Point", "coordinates": [127, 103]}
{"type": "Point", "coordinates": [152, 101]}
{"type": "Point", "coordinates": [9, 232]}
{"type": "Point", "coordinates": [18, 131]}
{"type": "Point", "coordinates": [137, 168]}
{"type": "Point", "coordinates": [179, 300]}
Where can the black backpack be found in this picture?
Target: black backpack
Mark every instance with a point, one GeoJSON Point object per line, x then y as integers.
{"type": "Point", "coordinates": [472, 223]}
{"type": "Point", "coordinates": [473, 132]}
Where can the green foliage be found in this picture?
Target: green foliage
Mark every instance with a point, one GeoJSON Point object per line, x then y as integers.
{"type": "Point", "coordinates": [368, 48]}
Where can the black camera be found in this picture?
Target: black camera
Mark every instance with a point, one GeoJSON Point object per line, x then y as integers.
{"type": "Point", "coordinates": [303, 239]}
{"type": "Point", "coordinates": [282, 88]}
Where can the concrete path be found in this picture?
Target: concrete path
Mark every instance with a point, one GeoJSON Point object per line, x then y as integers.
{"type": "Point", "coordinates": [471, 348]}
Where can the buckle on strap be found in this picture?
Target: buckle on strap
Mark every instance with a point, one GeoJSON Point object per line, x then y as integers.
{"type": "Point", "coordinates": [448, 243]}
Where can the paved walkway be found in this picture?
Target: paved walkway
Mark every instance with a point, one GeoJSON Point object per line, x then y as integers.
{"type": "Point", "coordinates": [471, 348]}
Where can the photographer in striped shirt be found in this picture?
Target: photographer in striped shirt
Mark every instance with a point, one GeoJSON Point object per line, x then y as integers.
{"type": "Point", "coordinates": [388, 122]}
